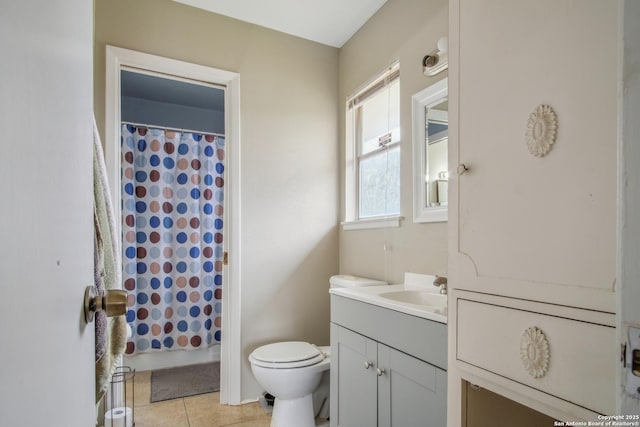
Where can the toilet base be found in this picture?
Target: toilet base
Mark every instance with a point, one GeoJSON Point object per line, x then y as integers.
{"type": "Point", "coordinates": [293, 412]}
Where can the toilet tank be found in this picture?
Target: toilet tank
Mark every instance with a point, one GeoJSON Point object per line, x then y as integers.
{"type": "Point", "coordinates": [348, 281]}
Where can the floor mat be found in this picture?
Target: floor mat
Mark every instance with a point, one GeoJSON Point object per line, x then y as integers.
{"type": "Point", "coordinates": [182, 381]}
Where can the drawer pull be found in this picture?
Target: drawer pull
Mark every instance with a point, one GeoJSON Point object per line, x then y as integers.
{"type": "Point", "coordinates": [534, 352]}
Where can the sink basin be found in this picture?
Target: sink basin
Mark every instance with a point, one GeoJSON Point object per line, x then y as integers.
{"type": "Point", "coordinates": [417, 297]}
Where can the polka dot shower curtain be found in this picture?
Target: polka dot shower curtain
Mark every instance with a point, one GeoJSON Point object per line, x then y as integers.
{"type": "Point", "coordinates": [172, 207]}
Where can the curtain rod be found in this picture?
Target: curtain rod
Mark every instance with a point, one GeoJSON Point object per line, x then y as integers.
{"type": "Point", "coordinates": [142, 125]}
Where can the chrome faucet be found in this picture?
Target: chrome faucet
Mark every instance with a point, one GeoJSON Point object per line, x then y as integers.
{"type": "Point", "coordinates": [442, 282]}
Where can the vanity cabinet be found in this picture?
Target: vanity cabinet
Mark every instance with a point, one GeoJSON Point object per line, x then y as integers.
{"type": "Point", "coordinates": [374, 384]}
{"type": "Point", "coordinates": [533, 232]}
{"type": "Point", "coordinates": [354, 359]}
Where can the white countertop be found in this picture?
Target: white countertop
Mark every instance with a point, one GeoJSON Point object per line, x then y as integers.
{"type": "Point", "coordinates": [371, 295]}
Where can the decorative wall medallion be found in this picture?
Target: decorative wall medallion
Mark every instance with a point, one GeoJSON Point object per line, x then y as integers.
{"type": "Point", "coordinates": [541, 130]}
{"type": "Point", "coordinates": [534, 352]}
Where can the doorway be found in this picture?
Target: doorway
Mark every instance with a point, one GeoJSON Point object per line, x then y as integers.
{"type": "Point", "coordinates": [121, 61]}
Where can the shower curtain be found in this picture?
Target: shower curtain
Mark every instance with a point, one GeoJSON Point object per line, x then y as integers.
{"type": "Point", "coordinates": [172, 218]}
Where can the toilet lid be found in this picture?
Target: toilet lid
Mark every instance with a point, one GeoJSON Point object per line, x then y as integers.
{"type": "Point", "coordinates": [288, 354]}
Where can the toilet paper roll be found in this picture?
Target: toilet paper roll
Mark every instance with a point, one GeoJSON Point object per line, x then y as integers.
{"type": "Point", "coordinates": [118, 417]}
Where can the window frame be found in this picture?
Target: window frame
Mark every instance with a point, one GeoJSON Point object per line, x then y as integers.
{"type": "Point", "coordinates": [354, 155]}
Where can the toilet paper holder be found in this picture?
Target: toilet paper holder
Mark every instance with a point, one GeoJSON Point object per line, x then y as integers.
{"type": "Point", "coordinates": [113, 302]}
{"type": "Point", "coordinates": [118, 406]}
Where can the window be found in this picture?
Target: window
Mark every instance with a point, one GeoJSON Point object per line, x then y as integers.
{"type": "Point", "coordinates": [373, 141]}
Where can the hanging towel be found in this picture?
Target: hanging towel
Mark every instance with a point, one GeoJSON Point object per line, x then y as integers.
{"type": "Point", "coordinates": [110, 333]}
{"type": "Point", "coordinates": [98, 282]}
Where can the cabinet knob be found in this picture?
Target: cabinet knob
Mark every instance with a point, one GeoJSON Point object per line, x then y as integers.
{"type": "Point", "coordinates": [462, 169]}
{"type": "Point", "coordinates": [379, 372]}
{"type": "Point", "coordinates": [368, 364]}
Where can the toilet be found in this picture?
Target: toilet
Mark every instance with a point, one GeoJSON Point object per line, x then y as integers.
{"type": "Point", "coordinates": [297, 373]}
{"type": "Point", "coordinates": [291, 371]}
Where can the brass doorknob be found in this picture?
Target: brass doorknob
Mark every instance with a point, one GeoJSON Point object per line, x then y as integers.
{"type": "Point", "coordinates": [113, 302]}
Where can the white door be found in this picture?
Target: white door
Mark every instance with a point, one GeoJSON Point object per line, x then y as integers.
{"type": "Point", "coordinates": [629, 206]}
{"type": "Point", "coordinates": [46, 216]}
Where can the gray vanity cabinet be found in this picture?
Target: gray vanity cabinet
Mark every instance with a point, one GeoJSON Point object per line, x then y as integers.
{"type": "Point", "coordinates": [354, 358]}
{"type": "Point", "coordinates": [374, 384]}
{"type": "Point", "coordinates": [411, 392]}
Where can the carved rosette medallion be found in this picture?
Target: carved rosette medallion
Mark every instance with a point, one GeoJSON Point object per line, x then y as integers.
{"type": "Point", "coordinates": [541, 130]}
{"type": "Point", "coordinates": [534, 352]}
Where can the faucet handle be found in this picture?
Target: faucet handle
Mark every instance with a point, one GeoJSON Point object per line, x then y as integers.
{"type": "Point", "coordinates": [439, 281]}
{"type": "Point", "coordinates": [442, 283]}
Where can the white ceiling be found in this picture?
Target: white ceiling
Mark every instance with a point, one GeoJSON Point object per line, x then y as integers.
{"type": "Point", "coordinates": [330, 22]}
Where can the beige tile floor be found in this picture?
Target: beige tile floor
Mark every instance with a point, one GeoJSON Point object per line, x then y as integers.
{"type": "Point", "coordinates": [196, 411]}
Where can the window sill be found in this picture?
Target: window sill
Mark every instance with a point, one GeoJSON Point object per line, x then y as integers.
{"type": "Point", "coordinates": [372, 223]}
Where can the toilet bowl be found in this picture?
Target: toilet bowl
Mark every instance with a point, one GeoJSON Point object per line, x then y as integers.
{"type": "Point", "coordinates": [291, 371]}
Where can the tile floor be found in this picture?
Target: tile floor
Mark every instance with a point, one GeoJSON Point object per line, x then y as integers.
{"type": "Point", "coordinates": [196, 411]}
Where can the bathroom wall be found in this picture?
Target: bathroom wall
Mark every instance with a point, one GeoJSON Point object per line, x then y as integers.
{"type": "Point", "coordinates": [154, 100]}
{"type": "Point", "coordinates": [405, 30]}
{"type": "Point", "coordinates": [289, 156]}
{"type": "Point", "coordinates": [185, 117]}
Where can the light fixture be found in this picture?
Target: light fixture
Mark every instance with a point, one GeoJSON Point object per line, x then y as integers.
{"type": "Point", "coordinates": [437, 60]}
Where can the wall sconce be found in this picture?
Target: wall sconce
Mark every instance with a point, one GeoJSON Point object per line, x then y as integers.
{"type": "Point", "coordinates": [437, 60]}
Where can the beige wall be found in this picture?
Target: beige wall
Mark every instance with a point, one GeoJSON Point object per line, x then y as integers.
{"type": "Point", "coordinates": [404, 30]}
{"type": "Point", "coordinates": [289, 156]}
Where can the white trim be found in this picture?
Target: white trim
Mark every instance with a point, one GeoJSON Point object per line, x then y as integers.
{"type": "Point", "coordinates": [118, 58]}
{"type": "Point", "coordinates": [372, 223]}
{"type": "Point", "coordinates": [353, 154]}
{"type": "Point", "coordinates": [231, 357]}
{"type": "Point", "coordinates": [426, 97]}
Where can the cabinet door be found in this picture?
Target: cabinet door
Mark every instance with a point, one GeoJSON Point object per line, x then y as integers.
{"type": "Point", "coordinates": [411, 393]}
{"type": "Point", "coordinates": [353, 379]}
{"type": "Point", "coordinates": [540, 228]}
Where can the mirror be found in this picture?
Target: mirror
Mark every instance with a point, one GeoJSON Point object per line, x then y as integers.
{"type": "Point", "coordinates": [430, 153]}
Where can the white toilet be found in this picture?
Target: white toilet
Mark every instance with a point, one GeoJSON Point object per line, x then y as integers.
{"type": "Point", "coordinates": [291, 371]}
{"type": "Point", "coordinates": [297, 373]}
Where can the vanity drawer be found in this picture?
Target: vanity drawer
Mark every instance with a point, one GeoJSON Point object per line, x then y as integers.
{"type": "Point", "coordinates": [582, 356]}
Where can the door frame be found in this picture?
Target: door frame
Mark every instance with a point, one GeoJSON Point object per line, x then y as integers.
{"type": "Point", "coordinates": [116, 59]}
{"type": "Point", "coordinates": [628, 270]}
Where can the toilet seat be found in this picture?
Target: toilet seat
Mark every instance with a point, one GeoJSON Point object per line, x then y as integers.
{"type": "Point", "coordinates": [286, 355]}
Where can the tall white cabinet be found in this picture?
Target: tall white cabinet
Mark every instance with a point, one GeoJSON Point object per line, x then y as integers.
{"type": "Point", "coordinates": [533, 237]}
